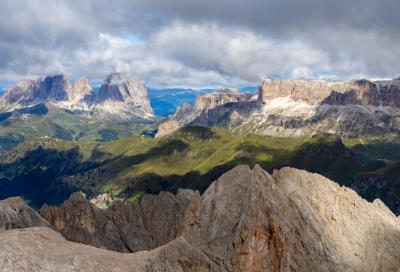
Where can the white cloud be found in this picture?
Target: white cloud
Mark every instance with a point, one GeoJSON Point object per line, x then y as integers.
{"type": "Point", "coordinates": [197, 54]}
{"type": "Point", "coordinates": [199, 43]}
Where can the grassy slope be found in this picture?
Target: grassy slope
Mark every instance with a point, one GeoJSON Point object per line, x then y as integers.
{"type": "Point", "coordinates": [191, 158]}
{"type": "Point", "coordinates": [64, 125]}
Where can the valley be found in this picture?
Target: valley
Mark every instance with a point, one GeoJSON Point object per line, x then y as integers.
{"type": "Point", "coordinates": [48, 170]}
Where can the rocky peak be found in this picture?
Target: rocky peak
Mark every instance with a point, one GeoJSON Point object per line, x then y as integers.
{"type": "Point", "coordinates": [120, 94]}
{"type": "Point", "coordinates": [203, 105]}
{"type": "Point", "coordinates": [81, 90]}
{"type": "Point", "coordinates": [31, 92]}
{"type": "Point", "coordinates": [354, 92]}
{"type": "Point", "coordinates": [117, 87]}
{"type": "Point", "coordinates": [152, 222]}
{"type": "Point", "coordinates": [247, 220]}
{"type": "Point", "coordinates": [115, 79]}
{"type": "Point", "coordinates": [24, 92]}
{"type": "Point", "coordinates": [57, 87]}
{"type": "Point", "coordinates": [219, 97]}
{"type": "Point", "coordinates": [16, 214]}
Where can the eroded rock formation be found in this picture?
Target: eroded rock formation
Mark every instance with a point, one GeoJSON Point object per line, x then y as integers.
{"type": "Point", "coordinates": [290, 108]}
{"type": "Point", "coordinates": [153, 222]}
{"type": "Point", "coordinates": [118, 96]}
{"type": "Point", "coordinates": [340, 93]}
{"type": "Point", "coordinates": [205, 103]}
{"type": "Point", "coordinates": [247, 220]}
{"type": "Point", "coordinates": [16, 214]}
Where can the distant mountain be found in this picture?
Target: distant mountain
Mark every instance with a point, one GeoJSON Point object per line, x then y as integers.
{"type": "Point", "coordinates": [53, 107]}
{"type": "Point", "coordinates": [354, 108]}
{"type": "Point", "coordinates": [118, 97]}
{"type": "Point", "coordinates": [187, 113]}
{"type": "Point", "coordinates": [165, 101]}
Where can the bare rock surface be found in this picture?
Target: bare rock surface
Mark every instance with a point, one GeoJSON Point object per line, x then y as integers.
{"type": "Point", "coordinates": [16, 214]}
{"type": "Point", "coordinates": [122, 96]}
{"type": "Point", "coordinates": [297, 108]}
{"type": "Point", "coordinates": [353, 92]}
{"type": "Point", "coordinates": [153, 222]}
{"type": "Point", "coordinates": [42, 249]}
{"type": "Point", "coordinates": [119, 97]}
{"type": "Point", "coordinates": [205, 103]}
{"type": "Point", "coordinates": [247, 220]}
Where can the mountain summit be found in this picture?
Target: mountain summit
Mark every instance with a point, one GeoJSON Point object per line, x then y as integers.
{"type": "Point", "coordinates": [288, 108]}
{"type": "Point", "coordinates": [118, 97]}
{"type": "Point", "coordinates": [247, 220]}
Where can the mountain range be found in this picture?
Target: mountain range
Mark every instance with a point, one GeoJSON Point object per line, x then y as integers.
{"type": "Point", "coordinates": [53, 107]}
{"type": "Point", "coordinates": [117, 96]}
{"type": "Point", "coordinates": [102, 193]}
{"type": "Point", "coordinates": [298, 108]}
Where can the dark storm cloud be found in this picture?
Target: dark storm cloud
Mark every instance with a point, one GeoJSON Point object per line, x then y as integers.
{"type": "Point", "coordinates": [267, 15]}
{"type": "Point", "coordinates": [199, 42]}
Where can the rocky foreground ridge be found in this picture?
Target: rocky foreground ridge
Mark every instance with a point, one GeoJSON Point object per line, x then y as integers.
{"type": "Point", "coordinates": [118, 96]}
{"type": "Point", "coordinates": [352, 108]}
{"type": "Point", "coordinates": [16, 214]}
{"type": "Point", "coordinates": [247, 220]}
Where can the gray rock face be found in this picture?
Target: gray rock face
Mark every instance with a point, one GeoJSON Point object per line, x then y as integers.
{"type": "Point", "coordinates": [293, 108]}
{"type": "Point", "coordinates": [219, 102]}
{"type": "Point", "coordinates": [44, 250]}
{"type": "Point", "coordinates": [153, 222]}
{"type": "Point", "coordinates": [118, 97]}
{"type": "Point", "coordinates": [16, 214]}
{"type": "Point", "coordinates": [31, 92]}
{"type": "Point", "coordinates": [340, 93]}
{"type": "Point", "coordinates": [82, 92]}
{"type": "Point", "coordinates": [247, 220]}
{"type": "Point", "coordinates": [126, 95]}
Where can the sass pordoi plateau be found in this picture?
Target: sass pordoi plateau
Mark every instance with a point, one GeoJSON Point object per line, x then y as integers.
{"type": "Point", "coordinates": [170, 137]}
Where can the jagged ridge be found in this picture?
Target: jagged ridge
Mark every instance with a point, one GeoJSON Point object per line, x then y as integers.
{"type": "Point", "coordinates": [247, 220]}
{"type": "Point", "coordinates": [118, 96]}
{"type": "Point", "coordinates": [290, 108]}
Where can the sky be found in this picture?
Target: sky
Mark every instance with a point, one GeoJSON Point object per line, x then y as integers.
{"type": "Point", "coordinates": [199, 43]}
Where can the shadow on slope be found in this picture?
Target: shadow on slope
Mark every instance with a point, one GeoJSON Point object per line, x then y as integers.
{"type": "Point", "coordinates": [36, 175]}
{"type": "Point", "coordinates": [193, 158]}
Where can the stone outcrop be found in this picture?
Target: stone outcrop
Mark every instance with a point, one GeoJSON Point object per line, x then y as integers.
{"type": "Point", "coordinates": [293, 108]}
{"type": "Point", "coordinates": [32, 92]}
{"type": "Point", "coordinates": [118, 96]}
{"type": "Point", "coordinates": [247, 220]}
{"type": "Point", "coordinates": [125, 96]}
{"type": "Point", "coordinates": [341, 93]}
{"type": "Point", "coordinates": [151, 223]}
{"type": "Point", "coordinates": [219, 97]}
{"type": "Point", "coordinates": [44, 250]}
{"type": "Point", "coordinates": [354, 108]}
{"type": "Point", "coordinates": [205, 103]}
{"type": "Point", "coordinates": [16, 214]}
{"type": "Point", "coordinates": [82, 91]}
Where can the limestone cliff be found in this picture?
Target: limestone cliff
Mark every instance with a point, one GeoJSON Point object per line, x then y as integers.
{"type": "Point", "coordinates": [247, 220]}
{"type": "Point", "coordinates": [16, 214]}
{"type": "Point", "coordinates": [341, 93]}
{"type": "Point", "coordinates": [293, 108]}
{"type": "Point", "coordinates": [151, 223]}
{"type": "Point", "coordinates": [118, 97]}
{"type": "Point", "coordinates": [204, 103]}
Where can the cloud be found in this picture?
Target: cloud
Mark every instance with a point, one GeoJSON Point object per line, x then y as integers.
{"type": "Point", "coordinates": [223, 42]}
